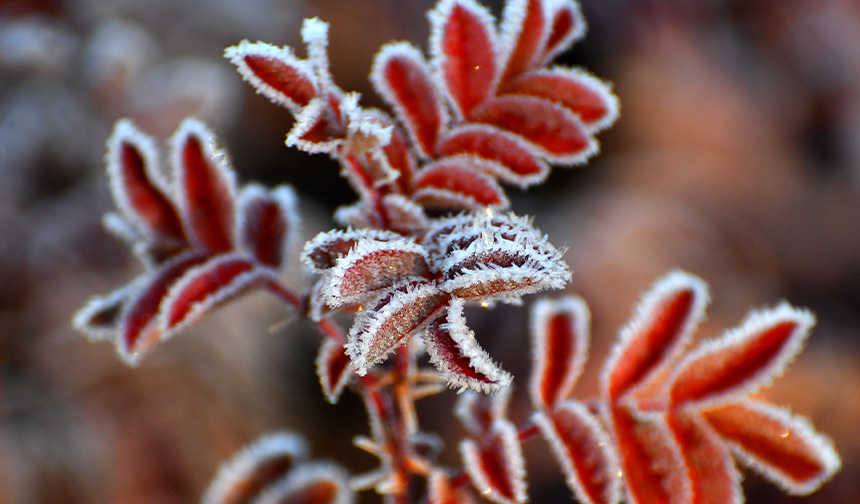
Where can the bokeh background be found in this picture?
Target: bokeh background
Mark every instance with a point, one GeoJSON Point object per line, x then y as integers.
{"type": "Point", "coordinates": [737, 158]}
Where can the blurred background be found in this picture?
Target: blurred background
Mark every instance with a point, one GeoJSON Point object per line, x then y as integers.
{"type": "Point", "coordinates": [737, 158]}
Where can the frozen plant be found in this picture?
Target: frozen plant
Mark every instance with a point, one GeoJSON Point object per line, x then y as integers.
{"type": "Point", "coordinates": [487, 108]}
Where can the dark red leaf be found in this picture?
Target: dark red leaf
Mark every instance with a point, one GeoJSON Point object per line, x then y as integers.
{"type": "Point", "coordinates": [463, 46]}
{"type": "Point", "coordinates": [140, 329]}
{"type": "Point", "coordinates": [651, 462]}
{"type": "Point", "coordinates": [319, 127]}
{"type": "Point", "coordinates": [206, 187]}
{"type": "Point", "coordinates": [138, 189]}
{"type": "Point", "coordinates": [274, 72]}
{"type": "Point", "coordinates": [441, 491]}
{"type": "Point", "coordinates": [323, 251]}
{"type": "Point", "coordinates": [256, 468]}
{"type": "Point", "coordinates": [204, 287]}
{"type": "Point", "coordinates": [454, 183]}
{"type": "Point", "coordinates": [560, 336]}
{"type": "Point", "coordinates": [316, 483]}
{"type": "Point", "coordinates": [567, 25]}
{"type": "Point", "coordinates": [525, 28]}
{"type": "Point", "coordinates": [583, 449]}
{"type": "Point", "coordinates": [783, 447]}
{"type": "Point", "coordinates": [744, 359]}
{"type": "Point", "coordinates": [267, 223]}
{"type": "Point", "coordinates": [512, 159]}
{"type": "Point", "coordinates": [373, 265]}
{"type": "Point", "coordinates": [477, 412]}
{"type": "Point", "coordinates": [496, 465]}
{"type": "Point", "coordinates": [713, 476]}
{"type": "Point", "coordinates": [101, 317]}
{"type": "Point", "coordinates": [662, 327]}
{"type": "Point", "coordinates": [385, 325]}
{"type": "Point", "coordinates": [552, 128]}
{"type": "Point", "coordinates": [401, 160]}
{"type": "Point", "coordinates": [401, 76]}
{"type": "Point", "coordinates": [333, 369]}
{"type": "Point", "coordinates": [584, 95]}
{"type": "Point", "coordinates": [457, 355]}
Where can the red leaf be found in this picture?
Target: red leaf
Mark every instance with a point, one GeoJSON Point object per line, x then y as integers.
{"type": "Point", "coordinates": [204, 287]}
{"type": "Point", "coordinates": [496, 465]}
{"type": "Point", "coordinates": [458, 356]}
{"type": "Point", "coordinates": [100, 318]}
{"type": "Point", "coordinates": [275, 72]}
{"type": "Point", "coordinates": [400, 159]}
{"type": "Point", "coordinates": [454, 183]}
{"type": "Point", "coordinates": [385, 325]}
{"type": "Point", "coordinates": [373, 265]}
{"type": "Point", "coordinates": [267, 223]}
{"type": "Point", "coordinates": [137, 186]}
{"type": "Point", "coordinates": [568, 26]}
{"type": "Point", "coordinates": [586, 96]}
{"type": "Point", "coordinates": [333, 369]}
{"type": "Point", "coordinates": [206, 187]}
{"type": "Point", "coordinates": [463, 47]}
{"type": "Point", "coordinates": [713, 476]}
{"type": "Point", "coordinates": [783, 447]}
{"type": "Point", "coordinates": [477, 412]}
{"type": "Point", "coordinates": [139, 329]}
{"type": "Point", "coordinates": [316, 483]}
{"type": "Point", "coordinates": [552, 128]}
{"type": "Point", "coordinates": [259, 465]}
{"type": "Point", "coordinates": [582, 448]}
{"type": "Point", "coordinates": [511, 159]}
{"type": "Point", "coordinates": [323, 251]}
{"type": "Point", "coordinates": [744, 359]}
{"type": "Point", "coordinates": [560, 334]}
{"type": "Point", "coordinates": [401, 76]}
{"type": "Point", "coordinates": [665, 320]}
{"type": "Point", "coordinates": [318, 128]}
{"type": "Point", "coordinates": [651, 462]}
{"type": "Point", "coordinates": [525, 28]}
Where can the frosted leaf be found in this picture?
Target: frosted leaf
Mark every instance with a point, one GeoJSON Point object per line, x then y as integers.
{"type": "Point", "coordinates": [499, 153]}
{"type": "Point", "coordinates": [457, 355]}
{"type": "Point", "coordinates": [139, 189]}
{"type": "Point", "coordinates": [567, 25]}
{"type": "Point", "coordinates": [496, 464]}
{"type": "Point", "coordinates": [462, 44]}
{"type": "Point", "coordinates": [315, 36]}
{"type": "Point", "coordinates": [744, 359]}
{"type": "Point", "coordinates": [257, 466]}
{"type": "Point", "coordinates": [333, 369]}
{"type": "Point", "coordinates": [560, 339]}
{"type": "Point", "coordinates": [403, 78]}
{"type": "Point", "coordinates": [204, 287]}
{"type": "Point", "coordinates": [140, 328]}
{"type": "Point", "coordinates": [100, 318]}
{"type": "Point", "coordinates": [386, 323]}
{"type": "Point", "coordinates": [661, 328]}
{"type": "Point", "coordinates": [651, 462]}
{"type": "Point", "coordinates": [584, 450]}
{"type": "Point", "coordinates": [205, 186]}
{"type": "Point", "coordinates": [268, 223]}
{"type": "Point", "coordinates": [714, 479]}
{"type": "Point", "coordinates": [310, 483]}
{"type": "Point", "coordinates": [477, 411]}
{"type": "Point", "coordinates": [275, 72]}
{"type": "Point", "coordinates": [576, 90]}
{"type": "Point", "coordinates": [318, 127]}
{"type": "Point", "coordinates": [557, 132]}
{"type": "Point", "coordinates": [524, 32]}
{"type": "Point", "coordinates": [455, 183]}
{"type": "Point", "coordinates": [372, 265]}
{"type": "Point", "coordinates": [323, 251]}
{"type": "Point", "coordinates": [441, 491]}
{"type": "Point", "coordinates": [784, 448]}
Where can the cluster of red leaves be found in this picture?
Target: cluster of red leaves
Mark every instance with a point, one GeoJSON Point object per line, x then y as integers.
{"type": "Point", "coordinates": [275, 470]}
{"type": "Point", "coordinates": [484, 109]}
{"type": "Point", "coordinates": [202, 242]}
{"type": "Point", "coordinates": [668, 418]}
{"type": "Point", "coordinates": [418, 285]}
